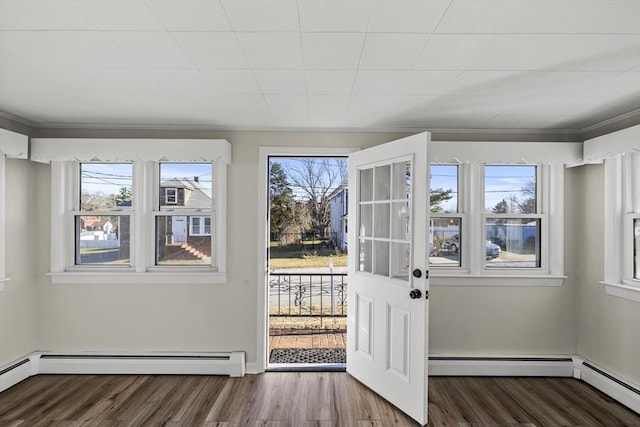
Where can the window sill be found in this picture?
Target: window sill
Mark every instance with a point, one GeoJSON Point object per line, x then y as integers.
{"type": "Point", "coordinates": [495, 280]}
{"type": "Point", "coordinates": [631, 293]}
{"type": "Point", "coordinates": [173, 277]}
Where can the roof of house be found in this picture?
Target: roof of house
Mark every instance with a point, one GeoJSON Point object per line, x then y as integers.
{"type": "Point", "coordinates": [198, 197]}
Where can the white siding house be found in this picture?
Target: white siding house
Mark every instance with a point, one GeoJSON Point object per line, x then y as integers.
{"type": "Point", "coordinates": [339, 201]}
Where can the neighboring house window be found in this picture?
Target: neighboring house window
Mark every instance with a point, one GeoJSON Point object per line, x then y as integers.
{"type": "Point", "coordinates": [170, 196]}
{"type": "Point", "coordinates": [200, 226]}
{"type": "Point", "coordinates": [124, 216]}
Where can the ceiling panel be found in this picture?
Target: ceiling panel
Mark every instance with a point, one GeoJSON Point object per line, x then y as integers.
{"type": "Point", "coordinates": [558, 65]}
{"type": "Point", "coordinates": [190, 15]}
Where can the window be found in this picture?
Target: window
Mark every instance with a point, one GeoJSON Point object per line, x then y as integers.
{"type": "Point", "coordinates": [126, 217]}
{"type": "Point", "coordinates": [170, 196]}
{"type": "Point", "coordinates": [445, 237]}
{"type": "Point", "coordinates": [12, 145]}
{"type": "Point", "coordinates": [497, 215]}
{"type": "Point", "coordinates": [511, 221]}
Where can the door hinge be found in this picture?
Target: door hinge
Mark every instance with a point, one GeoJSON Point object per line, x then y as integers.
{"type": "Point", "coordinates": [426, 274]}
{"type": "Point", "coordinates": [426, 294]}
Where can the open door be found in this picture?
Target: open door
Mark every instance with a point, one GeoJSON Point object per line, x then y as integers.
{"type": "Point", "coordinates": [387, 320]}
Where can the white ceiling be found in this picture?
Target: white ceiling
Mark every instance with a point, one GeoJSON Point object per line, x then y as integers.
{"type": "Point", "coordinates": [558, 65]}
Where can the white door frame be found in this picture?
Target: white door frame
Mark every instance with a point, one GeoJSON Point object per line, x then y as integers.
{"type": "Point", "coordinates": [263, 235]}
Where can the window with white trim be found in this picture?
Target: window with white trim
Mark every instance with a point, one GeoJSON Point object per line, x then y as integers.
{"type": "Point", "coordinates": [114, 219]}
{"type": "Point", "coordinates": [497, 214]}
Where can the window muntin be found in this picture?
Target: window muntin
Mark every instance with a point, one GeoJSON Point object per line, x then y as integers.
{"type": "Point", "coordinates": [445, 235]}
{"type": "Point", "coordinates": [102, 224]}
{"type": "Point", "coordinates": [170, 196]}
{"type": "Point", "coordinates": [182, 239]}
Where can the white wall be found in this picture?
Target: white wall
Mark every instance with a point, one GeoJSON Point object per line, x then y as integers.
{"type": "Point", "coordinates": [609, 327]}
{"type": "Point", "coordinates": [18, 300]}
{"type": "Point", "coordinates": [117, 317]}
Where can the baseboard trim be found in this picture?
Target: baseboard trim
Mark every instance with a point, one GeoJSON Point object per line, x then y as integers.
{"type": "Point", "coordinates": [15, 373]}
{"type": "Point", "coordinates": [610, 384]}
{"type": "Point", "coordinates": [500, 366]}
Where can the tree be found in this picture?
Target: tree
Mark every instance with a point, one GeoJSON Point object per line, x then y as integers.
{"type": "Point", "coordinates": [437, 196]}
{"type": "Point", "coordinates": [281, 202]}
{"type": "Point", "coordinates": [528, 204]}
{"type": "Point", "coordinates": [123, 198]}
{"type": "Point", "coordinates": [501, 207]}
{"type": "Point", "coordinates": [317, 178]}
{"type": "Point", "coordinates": [95, 201]}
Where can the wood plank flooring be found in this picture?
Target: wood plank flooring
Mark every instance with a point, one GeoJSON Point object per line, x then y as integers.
{"type": "Point", "coordinates": [299, 399]}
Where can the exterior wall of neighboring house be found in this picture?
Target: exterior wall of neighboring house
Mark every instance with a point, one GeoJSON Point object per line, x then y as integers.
{"type": "Point", "coordinates": [338, 200]}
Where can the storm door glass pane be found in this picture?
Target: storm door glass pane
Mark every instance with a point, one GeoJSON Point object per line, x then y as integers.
{"type": "Point", "coordinates": [381, 218]}
{"type": "Point", "coordinates": [365, 255]}
{"type": "Point", "coordinates": [381, 266]}
{"type": "Point", "coordinates": [400, 221]}
{"type": "Point", "coordinates": [636, 248]}
{"type": "Point", "coordinates": [383, 182]}
{"type": "Point", "coordinates": [366, 221]}
{"type": "Point", "coordinates": [366, 185]}
{"type": "Point", "coordinates": [401, 180]}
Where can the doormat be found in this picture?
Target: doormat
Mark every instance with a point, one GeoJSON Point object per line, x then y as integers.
{"type": "Point", "coordinates": [308, 355]}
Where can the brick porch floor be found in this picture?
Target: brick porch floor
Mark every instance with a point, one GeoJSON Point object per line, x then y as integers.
{"type": "Point", "coordinates": [315, 340]}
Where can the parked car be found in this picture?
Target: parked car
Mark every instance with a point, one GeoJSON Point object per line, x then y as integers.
{"type": "Point", "coordinates": [453, 245]}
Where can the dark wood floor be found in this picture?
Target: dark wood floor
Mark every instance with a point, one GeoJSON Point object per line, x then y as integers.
{"type": "Point", "coordinates": [299, 399]}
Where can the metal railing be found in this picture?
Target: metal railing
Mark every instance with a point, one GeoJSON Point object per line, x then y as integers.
{"type": "Point", "coordinates": [308, 295]}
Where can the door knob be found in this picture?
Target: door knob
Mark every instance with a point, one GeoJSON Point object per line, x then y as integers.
{"type": "Point", "coordinates": [417, 273]}
{"type": "Point", "coordinates": [415, 294]}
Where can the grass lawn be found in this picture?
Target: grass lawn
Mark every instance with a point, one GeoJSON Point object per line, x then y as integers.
{"type": "Point", "coordinates": [309, 254]}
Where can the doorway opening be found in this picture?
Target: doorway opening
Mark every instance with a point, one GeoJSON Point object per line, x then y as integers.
{"type": "Point", "coordinates": [307, 262]}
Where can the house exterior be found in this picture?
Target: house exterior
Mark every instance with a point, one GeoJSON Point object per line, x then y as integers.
{"type": "Point", "coordinates": [339, 203]}
{"type": "Point", "coordinates": [184, 231]}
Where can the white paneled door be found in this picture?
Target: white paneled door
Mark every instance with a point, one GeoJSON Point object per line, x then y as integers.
{"type": "Point", "coordinates": [387, 343]}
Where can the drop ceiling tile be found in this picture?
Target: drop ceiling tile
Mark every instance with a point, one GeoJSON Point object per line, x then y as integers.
{"type": "Point", "coordinates": [575, 52]}
{"type": "Point", "coordinates": [289, 103]}
{"type": "Point", "coordinates": [329, 104]}
{"type": "Point", "coordinates": [327, 120]}
{"type": "Point", "coordinates": [92, 49]}
{"type": "Point", "coordinates": [211, 50]}
{"type": "Point", "coordinates": [406, 16]}
{"type": "Point", "coordinates": [46, 80]}
{"type": "Point", "coordinates": [480, 82]}
{"type": "Point", "coordinates": [378, 82]}
{"type": "Point", "coordinates": [332, 50]}
{"type": "Point", "coordinates": [391, 51]}
{"type": "Point", "coordinates": [452, 52]}
{"type": "Point", "coordinates": [281, 81]}
{"type": "Point", "coordinates": [116, 15]}
{"type": "Point", "coordinates": [129, 80]}
{"type": "Point", "coordinates": [334, 15]}
{"type": "Point", "coordinates": [152, 49]}
{"type": "Point", "coordinates": [41, 15]}
{"type": "Point", "coordinates": [233, 103]}
{"type": "Point", "coordinates": [33, 49]}
{"type": "Point", "coordinates": [272, 50]}
{"type": "Point", "coordinates": [329, 82]}
{"type": "Point", "coordinates": [390, 104]}
{"type": "Point", "coordinates": [479, 16]}
{"type": "Point", "coordinates": [272, 15]}
{"type": "Point", "coordinates": [614, 17]}
{"type": "Point", "coordinates": [181, 80]}
{"type": "Point", "coordinates": [190, 15]}
{"type": "Point", "coordinates": [240, 81]}
{"type": "Point", "coordinates": [421, 82]}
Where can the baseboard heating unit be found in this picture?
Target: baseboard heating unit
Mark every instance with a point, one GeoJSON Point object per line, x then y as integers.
{"type": "Point", "coordinates": [231, 364]}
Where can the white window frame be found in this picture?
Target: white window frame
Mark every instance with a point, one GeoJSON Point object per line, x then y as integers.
{"type": "Point", "coordinates": [201, 225]}
{"type": "Point", "coordinates": [620, 153]}
{"type": "Point", "coordinates": [145, 154]}
{"type": "Point", "coordinates": [550, 160]}
{"type": "Point", "coordinates": [12, 145]}
{"type": "Point", "coordinates": [174, 197]}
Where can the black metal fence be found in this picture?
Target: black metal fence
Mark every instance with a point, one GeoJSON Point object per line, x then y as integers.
{"type": "Point", "coordinates": [308, 295]}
